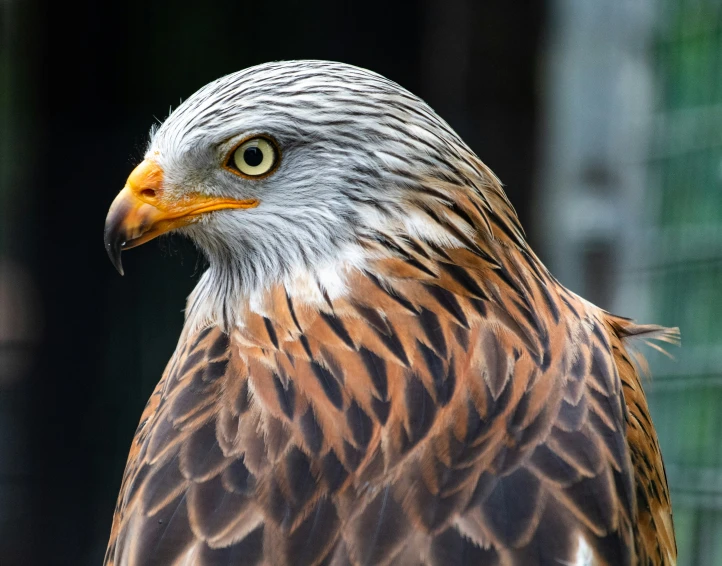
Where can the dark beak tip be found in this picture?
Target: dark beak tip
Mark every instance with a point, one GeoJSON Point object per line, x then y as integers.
{"type": "Point", "coordinates": [114, 247]}
{"type": "Point", "coordinates": [119, 266]}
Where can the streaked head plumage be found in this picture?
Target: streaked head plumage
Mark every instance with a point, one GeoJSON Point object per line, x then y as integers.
{"type": "Point", "coordinates": [360, 159]}
{"type": "Point", "coordinates": [354, 148]}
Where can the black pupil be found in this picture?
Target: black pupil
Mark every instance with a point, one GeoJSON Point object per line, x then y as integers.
{"type": "Point", "coordinates": [253, 156]}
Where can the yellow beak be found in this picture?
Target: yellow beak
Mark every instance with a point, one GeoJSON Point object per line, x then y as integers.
{"type": "Point", "coordinates": [142, 211]}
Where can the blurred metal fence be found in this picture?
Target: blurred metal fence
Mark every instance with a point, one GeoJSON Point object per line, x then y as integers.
{"type": "Point", "coordinates": [684, 191]}
{"type": "Point", "coordinates": [630, 212]}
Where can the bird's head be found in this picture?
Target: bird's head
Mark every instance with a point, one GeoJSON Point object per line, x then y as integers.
{"type": "Point", "coordinates": [294, 166]}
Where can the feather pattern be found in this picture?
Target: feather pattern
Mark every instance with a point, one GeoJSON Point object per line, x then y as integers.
{"type": "Point", "coordinates": [377, 438]}
{"type": "Point", "coordinates": [449, 403]}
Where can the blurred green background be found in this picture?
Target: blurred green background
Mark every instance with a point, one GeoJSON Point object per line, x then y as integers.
{"type": "Point", "coordinates": [603, 120]}
{"type": "Point", "coordinates": [685, 268]}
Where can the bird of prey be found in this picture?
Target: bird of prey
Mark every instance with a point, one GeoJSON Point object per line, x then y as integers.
{"type": "Point", "coordinates": [375, 367]}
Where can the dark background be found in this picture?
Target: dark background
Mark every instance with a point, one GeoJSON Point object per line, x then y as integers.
{"type": "Point", "coordinates": [88, 79]}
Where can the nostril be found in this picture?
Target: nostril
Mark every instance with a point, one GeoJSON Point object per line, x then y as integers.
{"type": "Point", "coordinates": [147, 193]}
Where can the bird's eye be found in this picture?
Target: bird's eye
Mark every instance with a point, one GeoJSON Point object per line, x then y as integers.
{"type": "Point", "coordinates": [253, 158]}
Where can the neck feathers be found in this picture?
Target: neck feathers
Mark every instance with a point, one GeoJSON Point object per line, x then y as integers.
{"type": "Point", "coordinates": [443, 220]}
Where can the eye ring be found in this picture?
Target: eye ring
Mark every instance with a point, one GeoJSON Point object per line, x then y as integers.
{"type": "Point", "coordinates": [254, 157]}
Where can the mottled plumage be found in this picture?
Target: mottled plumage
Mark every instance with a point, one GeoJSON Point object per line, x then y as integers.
{"type": "Point", "coordinates": [376, 369]}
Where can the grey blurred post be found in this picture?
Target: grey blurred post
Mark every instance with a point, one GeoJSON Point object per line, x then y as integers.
{"type": "Point", "coordinates": [597, 97]}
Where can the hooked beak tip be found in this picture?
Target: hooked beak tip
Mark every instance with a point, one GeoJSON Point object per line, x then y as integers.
{"type": "Point", "coordinates": [114, 243]}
